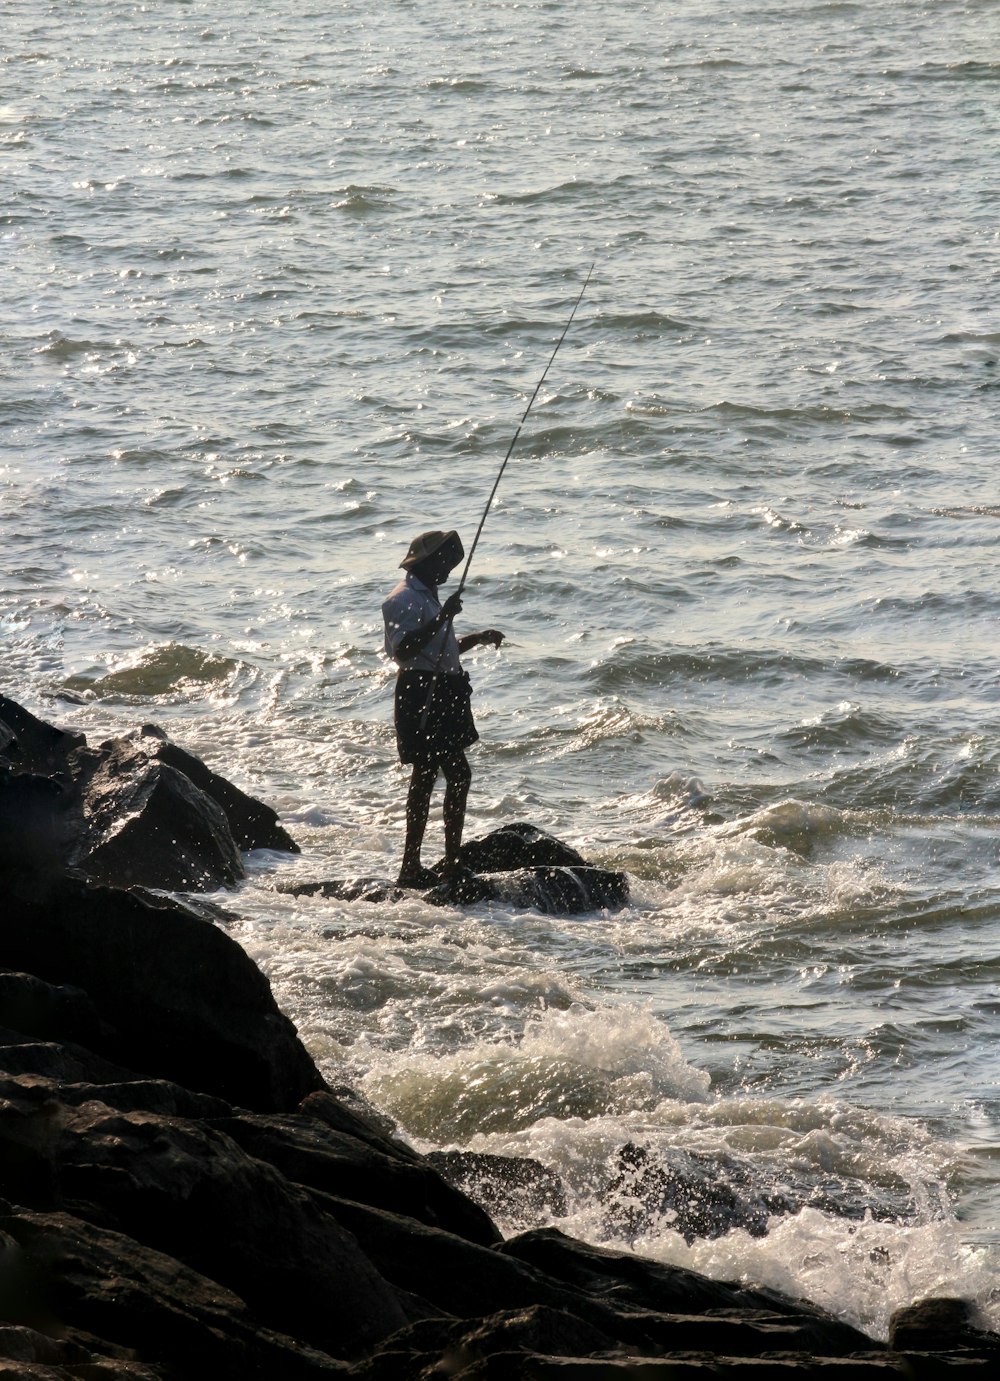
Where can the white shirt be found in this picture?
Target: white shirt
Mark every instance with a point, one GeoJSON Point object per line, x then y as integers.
{"type": "Point", "coordinates": [411, 606]}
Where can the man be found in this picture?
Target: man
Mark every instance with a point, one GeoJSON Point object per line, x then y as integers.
{"type": "Point", "coordinates": [433, 714]}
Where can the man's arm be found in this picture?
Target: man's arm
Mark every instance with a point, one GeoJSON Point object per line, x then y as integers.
{"type": "Point", "coordinates": [490, 637]}
{"type": "Point", "coordinates": [410, 645]}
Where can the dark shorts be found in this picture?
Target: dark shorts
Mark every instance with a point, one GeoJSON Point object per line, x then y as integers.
{"type": "Point", "coordinates": [449, 726]}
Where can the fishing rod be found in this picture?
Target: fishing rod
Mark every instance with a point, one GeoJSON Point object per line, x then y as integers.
{"type": "Point", "coordinates": [513, 442]}
{"type": "Point", "coordinates": [496, 485]}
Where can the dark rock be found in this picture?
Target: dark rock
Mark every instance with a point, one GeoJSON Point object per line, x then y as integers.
{"type": "Point", "coordinates": [310, 1152]}
{"type": "Point", "coordinates": [182, 1000]}
{"type": "Point", "coordinates": [83, 1285]}
{"type": "Point", "coordinates": [31, 745]}
{"type": "Point", "coordinates": [516, 1188]}
{"type": "Point", "coordinates": [518, 864]}
{"type": "Point", "coordinates": [514, 1334]}
{"type": "Point", "coordinates": [561, 891]}
{"type": "Point", "coordinates": [138, 810]}
{"type": "Point", "coordinates": [52, 1012]}
{"type": "Point", "coordinates": [188, 1191]}
{"type": "Point", "coordinates": [517, 846]}
{"type": "Point", "coordinates": [346, 889]}
{"type": "Point", "coordinates": [36, 830]}
{"type": "Point", "coordinates": [450, 1274]}
{"type": "Point", "coordinates": [643, 1289]}
{"type": "Point", "coordinates": [707, 1195]}
{"type": "Point", "coordinates": [939, 1325]}
{"type": "Point", "coordinates": [253, 824]}
{"type": "Point", "coordinates": [626, 1281]}
{"type": "Point", "coordinates": [146, 824]}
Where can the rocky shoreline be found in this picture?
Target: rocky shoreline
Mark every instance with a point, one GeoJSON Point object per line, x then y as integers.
{"type": "Point", "coordinates": [182, 1196]}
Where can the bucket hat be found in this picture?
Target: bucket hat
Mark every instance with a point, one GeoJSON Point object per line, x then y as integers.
{"type": "Point", "coordinates": [427, 544]}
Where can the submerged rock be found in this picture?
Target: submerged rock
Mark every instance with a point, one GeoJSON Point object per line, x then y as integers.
{"type": "Point", "coordinates": [702, 1194]}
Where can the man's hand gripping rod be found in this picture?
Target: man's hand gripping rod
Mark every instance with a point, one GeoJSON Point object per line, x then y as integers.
{"type": "Point", "coordinates": [496, 484]}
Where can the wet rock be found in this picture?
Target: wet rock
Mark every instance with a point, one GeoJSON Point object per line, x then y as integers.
{"type": "Point", "coordinates": [348, 889]}
{"type": "Point", "coordinates": [625, 1281]}
{"type": "Point", "coordinates": [689, 1193]}
{"type": "Point", "coordinates": [36, 831]}
{"type": "Point", "coordinates": [144, 823]}
{"type": "Point", "coordinates": [188, 1191]}
{"type": "Point", "coordinates": [51, 1011]}
{"type": "Point", "coordinates": [458, 1349]}
{"type": "Point", "coordinates": [29, 745]}
{"type": "Point", "coordinates": [518, 865]}
{"type": "Point", "coordinates": [697, 1194]}
{"type": "Point", "coordinates": [939, 1325]}
{"type": "Point", "coordinates": [313, 1154]}
{"type": "Point", "coordinates": [518, 1189]}
{"type": "Point", "coordinates": [135, 811]}
{"type": "Point", "coordinates": [560, 891]}
{"type": "Point", "coordinates": [180, 999]}
{"type": "Point", "coordinates": [518, 846]}
{"type": "Point", "coordinates": [253, 824]}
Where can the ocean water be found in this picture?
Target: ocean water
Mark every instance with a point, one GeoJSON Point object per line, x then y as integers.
{"type": "Point", "coordinates": [279, 282]}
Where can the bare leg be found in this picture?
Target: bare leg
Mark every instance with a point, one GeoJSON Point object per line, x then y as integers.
{"type": "Point", "coordinates": [418, 804]}
{"type": "Point", "coordinates": [458, 777]}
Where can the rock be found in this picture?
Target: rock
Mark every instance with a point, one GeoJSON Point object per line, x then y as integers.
{"type": "Point", "coordinates": [30, 745]}
{"type": "Point", "coordinates": [939, 1325]}
{"type": "Point", "coordinates": [347, 889]}
{"type": "Point", "coordinates": [144, 823]}
{"type": "Point", "coordinates": [456, 1346]}
{"type": "Point", "coordinates": [313, 1154]}
{"type": "Point", "coordinates": [626, 1281]}
{"type": "Point", "coordinates": [88, 1285]}
{"type": "Point", "coordinates": [53, 1012]}
{"type": "Point", "coordinates": [560, 891]}
{"type": "Point", "coordinates": [137, 810]}
{"type": "Point", "coordinates": [518, 864]}
{"type": "Point", "coordinates": [188, 1191]}
{"type": "Point", "coordinates": [181, 999]}
{"type": "Point", "coordinates": [253, 824]}
{"type": "Point", "coordinates": [36, 831]}
{"type": "Point", "coordinates": [517, 846]}
{"type": "Point", "coordinates": [700, 1195]}
{"type": "Point", "coordinates": [516, 1188]}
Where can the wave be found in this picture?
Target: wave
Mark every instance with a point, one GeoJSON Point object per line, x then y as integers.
{"type": "Point", "coordinates": [578, 1063]}
{"type": "Point", "coordinates": [161, 672]}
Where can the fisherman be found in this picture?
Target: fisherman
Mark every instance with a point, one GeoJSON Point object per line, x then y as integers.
{"type": "Point", "coordinates": [433, 712]}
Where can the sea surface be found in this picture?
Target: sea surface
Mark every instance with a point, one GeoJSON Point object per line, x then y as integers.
{"type": "Point", "coordinates": [279, 282]}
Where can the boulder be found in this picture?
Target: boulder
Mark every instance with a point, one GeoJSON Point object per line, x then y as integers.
{"type": "Point", "coordinates": [311, 1153]}
{"type": "Point", "coordinates": [179, 998]}
{"type": "Point", "coordinates": [85, 1285]}
{"type": "Point", "coordinates": [559, 891]}
{"type": "Point", "coordinates": [29, 745]}
{"type": "Point", "coordinates": [517, 846]}
{"type": "Point", "coordinates": [144, 823]}
{"type": "Point", "coordinates": [940, 1325]}
{"type": "Point", "coordinates": [698, 1194]}
{"type": "Point", "coordinates": [136, 811]}
{"type": "Point", "coordinates": [253, 824]}
{"type": "Point", "coordinates": [517, 864]}
{"type": "Point", "coordinates": [517, 1189]}
{"type": "Point", "coordinates": [191, 1193]}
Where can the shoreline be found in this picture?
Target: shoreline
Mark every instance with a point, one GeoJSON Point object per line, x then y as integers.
{"type": "Point", "coordinates": [184, 1194]}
